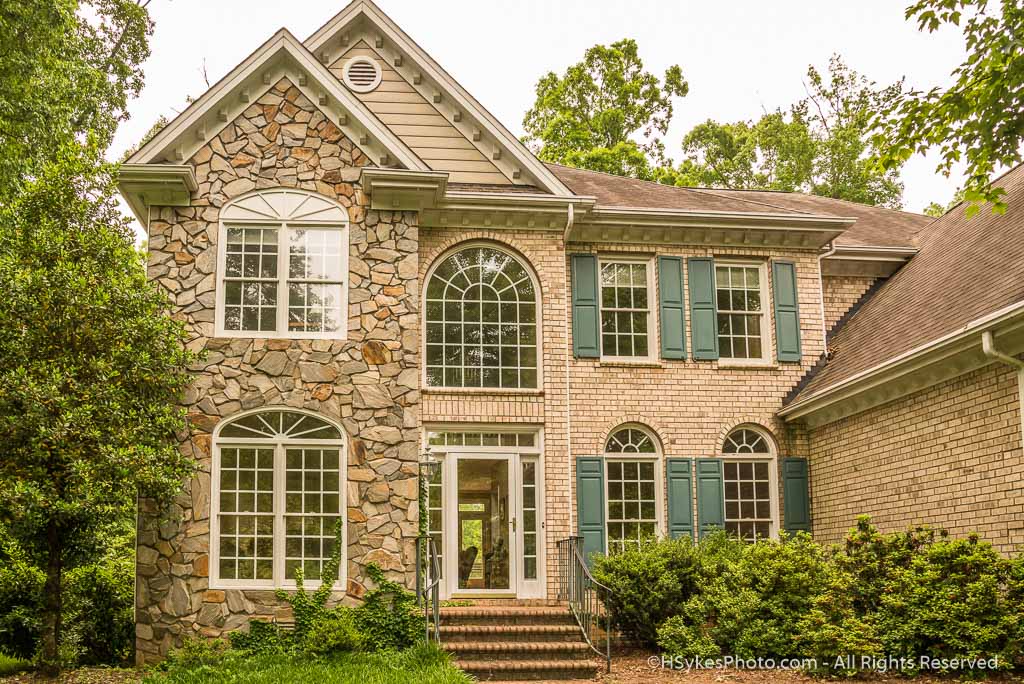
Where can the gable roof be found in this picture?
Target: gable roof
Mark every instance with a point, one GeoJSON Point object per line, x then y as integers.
{"type": "Point", "coordinates": [281, 55]}
{"type": "Point", "coordinates": [966, 270]}
{"type": "Point", "coordinates": [451, 100]}
{"type": "Point", "coordinates": [874, 226]}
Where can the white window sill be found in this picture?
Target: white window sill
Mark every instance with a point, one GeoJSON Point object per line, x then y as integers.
{"type": "Point", "coordinates": [521, 391]}
{"type": "Point", "coordinates": [270, 335]}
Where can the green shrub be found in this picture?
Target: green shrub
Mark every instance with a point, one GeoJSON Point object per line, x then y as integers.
{"type": "Point", "coordinates": [196, 652]}
{"type": "Point", "coordinates": [914, 593]}
{"type": "Point", "coordinates": [262, 638]}
{"type": "Point", "coordinates": [648, 585]}
{"type": "Point", "coordinates": [334, 632]}
{"type": "Point", "coordinates": [21, 593]}
{"type": "Point", "coordinates": [10, 665]}
{"type": "Point", "coordinates": [389, 618]}
{"type": "Point", "coordinates": [750, 599]}
{"type": "Point", "coordinates": [98, 602]}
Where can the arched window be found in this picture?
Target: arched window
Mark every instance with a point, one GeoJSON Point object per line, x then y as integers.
{"type": "Point", "coordinates": [283, 266]}
{"type": "Point", "coordinates": [278, 496]}
{"type": "Point", "coordinates": [481, 321]}
{"type": "Point", "coordinates": [749, 479]}
{"type": "Point", "coordinates": [632, 475]}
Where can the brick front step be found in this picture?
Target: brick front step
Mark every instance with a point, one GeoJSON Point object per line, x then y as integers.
{"type": "Point", "coordinates": [532, 670]}
{"type": "Point", "coordinates": [509, 633]}
{"type": "Point", "coordinates": [518, 650]}
{"type": "Point", "coordinates": [514, 615]}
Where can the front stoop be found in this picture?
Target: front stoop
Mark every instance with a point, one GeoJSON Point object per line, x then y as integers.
{"type": "Point", "coordinates": [517, 642]}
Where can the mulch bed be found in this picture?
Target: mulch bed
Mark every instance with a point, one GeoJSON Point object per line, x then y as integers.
{"type": "Point", "coordinates": [85, 675]}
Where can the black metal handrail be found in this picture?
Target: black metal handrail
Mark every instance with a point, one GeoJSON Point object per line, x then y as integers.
{"type": "Point", "coordinates": [428, 585]}
{"type": "Point", "coordinates": [585, 596]}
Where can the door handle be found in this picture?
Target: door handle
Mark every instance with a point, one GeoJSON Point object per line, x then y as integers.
{"type": "Point", "coordinates": [513, 524]}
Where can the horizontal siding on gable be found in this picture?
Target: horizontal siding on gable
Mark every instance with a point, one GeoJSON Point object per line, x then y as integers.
{"type": "Point", "coordinates": [420, 126]}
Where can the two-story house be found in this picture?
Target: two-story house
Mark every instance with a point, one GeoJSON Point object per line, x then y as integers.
{"type": "Point", "coordinates": [375, 266]}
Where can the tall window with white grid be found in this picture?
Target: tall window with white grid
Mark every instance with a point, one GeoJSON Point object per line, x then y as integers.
{"type": "Point", "coordinates": [278, 498]}
{"type": "Point", "coordinates": [631, 457]}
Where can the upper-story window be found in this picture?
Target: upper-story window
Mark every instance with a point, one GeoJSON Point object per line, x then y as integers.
{"type": "Point", "coordinates": [481, 321]}
{"type": "Point", "coordinates": [742, 327]}
{"type": "Point", "coordinates": [749, 481]}
{"type": "Point", "coordinates": [283, 266]}
{"type": "Point", "coordinates": [631, 468]}
{"type": "Point", "coordinates": [626, 308]}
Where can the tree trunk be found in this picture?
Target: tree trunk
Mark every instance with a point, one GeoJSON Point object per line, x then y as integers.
{"type": "Point", "coordinates": [50, 660]}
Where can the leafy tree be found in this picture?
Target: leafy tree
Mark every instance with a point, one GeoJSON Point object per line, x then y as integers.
{"type": "Point", "coordinates": [979, 118]}
{"type": "Point", "coordinates": [605, 113]}
{"type": "Point", "coordinates": [91, 368]}
{"type": "Point", "coordinates": [822, 145]}
{"type": "Point", "coordinates": [937, 210]}
{"type": "Point", "coordinates": [67, 70]}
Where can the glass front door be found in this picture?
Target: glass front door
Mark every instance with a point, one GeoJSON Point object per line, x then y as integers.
{"type": "Point", "coordinates": [484, 515]}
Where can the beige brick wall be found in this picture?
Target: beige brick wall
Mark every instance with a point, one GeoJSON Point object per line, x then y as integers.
{"type": "Point", "coordinates": [949, 456]}
{"type": "Point", "coordinates": [841, 293]}
{"type": "Point", "coordinates": [690, 405]}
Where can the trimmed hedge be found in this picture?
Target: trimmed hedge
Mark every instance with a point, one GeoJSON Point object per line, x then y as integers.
{"type": "Point", "coordinates": [901, 595]}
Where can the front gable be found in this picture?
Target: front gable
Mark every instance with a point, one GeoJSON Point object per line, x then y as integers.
{"type": "Point", "coordinates": [459, 135]}
{"type": "Point", "coordinates": [419, 124]}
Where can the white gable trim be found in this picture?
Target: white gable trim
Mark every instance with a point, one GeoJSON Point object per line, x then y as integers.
{"type": "Point", "coordinates": [281, 56]}
{"type": "Point", "coordinates": [432, 82]}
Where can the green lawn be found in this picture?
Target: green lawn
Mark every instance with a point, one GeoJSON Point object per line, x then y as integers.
{"type": "Point", "coordinates": [423, 665]}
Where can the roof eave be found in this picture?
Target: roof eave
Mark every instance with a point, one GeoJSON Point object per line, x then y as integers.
{"type": "Point", "coordinates": [147, 185]}
{"type": "Point", "coordinates": [945, 357]}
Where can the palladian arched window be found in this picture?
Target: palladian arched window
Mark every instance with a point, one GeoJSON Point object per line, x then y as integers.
{"type": "Point", "coordinates": [749, 480]}
{"type": "Point", "coordinates": [481, 321]}
{"type": "Point", "coordinates": [278, 495]}
{"type": "Point", "coordinates": [631, 470]}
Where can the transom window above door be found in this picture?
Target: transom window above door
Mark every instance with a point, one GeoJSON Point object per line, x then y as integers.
{"type": "Point", "coordinates": [481, 321]}
{"type": "Point", "coordinates": [631, 459]}
{"type": "Point", "coordinates": [625, 308]}
{"type": "Point", "coordinates": [742, 326]}
{"type": "Point", "coordinates": [283, 268]}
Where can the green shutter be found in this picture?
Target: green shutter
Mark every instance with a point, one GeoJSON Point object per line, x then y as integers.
{"type": "Point", "coordinates": [796, 496]}
{"type": "Point", "coordinates": [679, 476]}
{"type": "Point", "coordinates": [703, 308]}
{"type": "Point", "coordinates": [787, 312]}
{"type": "Point", "coordinates": [590, 504]}
{"type": "Point", "coordinates": [710, 495]}
{"type": "Point", "coordinates": [671, 300]}
{"type": "Point", "coordinates": [585, 314]}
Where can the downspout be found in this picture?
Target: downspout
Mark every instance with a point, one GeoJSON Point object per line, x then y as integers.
{"type": "Point", "coordinates": [821, 295]}
{"type": "Point", "coordinates": [569, 221]}
{"type": "Point", "coordinates": [988, 345]}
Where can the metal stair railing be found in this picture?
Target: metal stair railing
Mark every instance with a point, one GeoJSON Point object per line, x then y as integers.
{"type": "Point", "coordinates": [585, 596]}
{"type": "Point", "coordinates": [428, 585]}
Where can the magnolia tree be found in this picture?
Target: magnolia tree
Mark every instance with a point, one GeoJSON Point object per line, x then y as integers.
{"type": "Point", "coordinates": [91, 371]}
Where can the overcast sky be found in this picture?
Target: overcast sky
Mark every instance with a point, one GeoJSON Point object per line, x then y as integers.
{"type": "Point", "coordinates": [739, 56]}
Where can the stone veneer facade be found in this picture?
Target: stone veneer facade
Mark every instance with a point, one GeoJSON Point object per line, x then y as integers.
{"type": "Point", "coordinates": [369, 383]}
{"type": "Point", "coordinates": [948, 456]}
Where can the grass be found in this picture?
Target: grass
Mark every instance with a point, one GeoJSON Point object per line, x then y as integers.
{"type": "Point", "coordinates": [10, 665]}
{"type": "Point", "coordinates": [425, 664]}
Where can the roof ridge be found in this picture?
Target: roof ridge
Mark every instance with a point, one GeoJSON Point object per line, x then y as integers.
{"type": "Point", "coordinates": [687, 188]}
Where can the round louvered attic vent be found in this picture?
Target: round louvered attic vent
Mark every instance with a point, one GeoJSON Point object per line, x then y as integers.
{"type": "Point", "coordinates": [362, 74]}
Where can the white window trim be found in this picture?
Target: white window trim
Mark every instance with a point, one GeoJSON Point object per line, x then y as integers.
{"type": "Point", "coordinates": [772, 459]}
{"type": "Point", "coordinates": [653, 341]}
{"type": "Point", "coordinates": [766, 359]}
{"type": "Point", "coordinates": [279, 444]}
{"type": "Point", "coordinates": [539, 315]}
{"type": "Point", "coordinates": [657, 458]}
{"type": "Point", "coordinates": [283, 225]}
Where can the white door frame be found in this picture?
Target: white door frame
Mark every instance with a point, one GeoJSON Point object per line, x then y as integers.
{"type": "Point", "coordinates": [515, 457]}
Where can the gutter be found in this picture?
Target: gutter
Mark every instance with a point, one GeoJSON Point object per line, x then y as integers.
{"type": "Point", "coordinates": [569, 221]}
{"type": "Point", "coordinates": [821, 294]}
{"type": "Point", "coordinates": [845, 387]}
{"type": "Point", "coordinates": [988, 346]}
